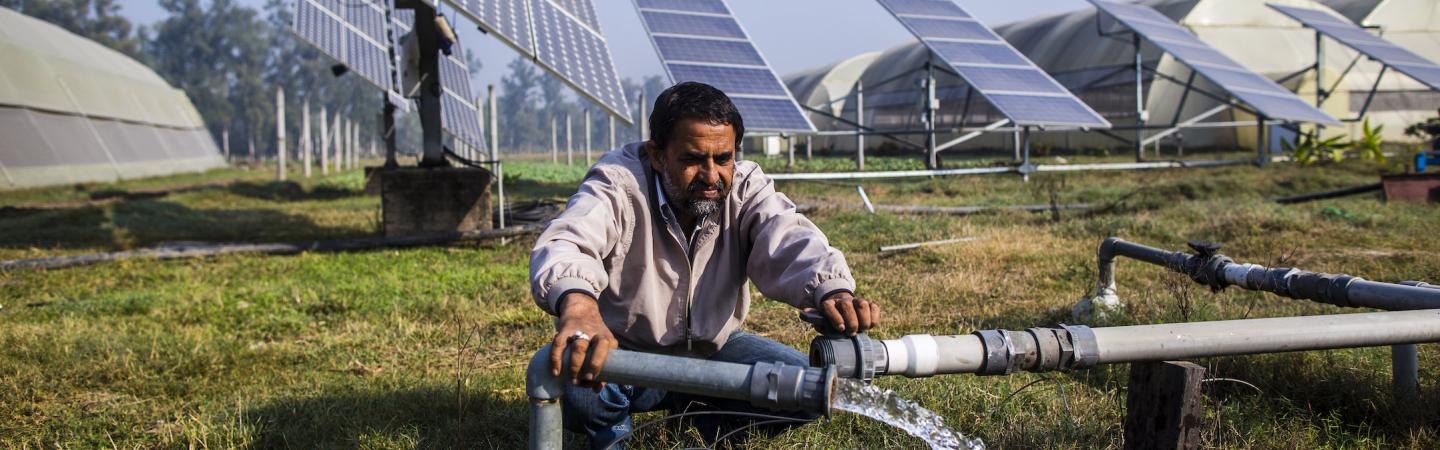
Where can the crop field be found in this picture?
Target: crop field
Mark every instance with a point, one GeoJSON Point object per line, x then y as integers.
{"type": "Point", "coordinates": [425, 347]}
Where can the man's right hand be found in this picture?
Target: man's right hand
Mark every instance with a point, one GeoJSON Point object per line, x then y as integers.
{"type": "Point", "coordinates": [580, 312]}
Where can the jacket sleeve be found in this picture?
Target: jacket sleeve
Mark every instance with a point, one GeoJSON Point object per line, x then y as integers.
{"type": "Point", "coordinates": [790, 259]}
{"type": "Point", "coordinates": [568, 255]}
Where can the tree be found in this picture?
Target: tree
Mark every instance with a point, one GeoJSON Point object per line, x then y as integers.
{"type": "Point", "coordinates": [96, 20]}
{"type": "Point", "coordinates": [519, 116]}
{"type": "Point", "coordinates": [216, 53]}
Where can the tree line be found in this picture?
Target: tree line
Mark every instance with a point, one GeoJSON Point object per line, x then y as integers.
{"type": "Point", "coordinates": [229, 59]}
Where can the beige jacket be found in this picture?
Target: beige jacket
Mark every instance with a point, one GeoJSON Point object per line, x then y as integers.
{"type": "Point", "coordinates": [615, 242]}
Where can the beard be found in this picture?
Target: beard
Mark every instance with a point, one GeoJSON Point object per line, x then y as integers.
{"type": "Point", "coordinates": [694, 205]}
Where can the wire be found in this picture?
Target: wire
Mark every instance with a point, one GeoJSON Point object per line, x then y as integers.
{"type": "Point", "coordinates": [642, 426]}
{"type": "Point", "coordinates": [746, 427]}
{"type": "Point", "coordinates": [467, 162]}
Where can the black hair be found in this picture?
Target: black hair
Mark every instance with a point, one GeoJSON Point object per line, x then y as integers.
{"type": "Point", "coordinates": [695, 101]}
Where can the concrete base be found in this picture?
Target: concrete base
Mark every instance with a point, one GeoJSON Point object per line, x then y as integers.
{"type": "Point", "coordinates": [431, 200]}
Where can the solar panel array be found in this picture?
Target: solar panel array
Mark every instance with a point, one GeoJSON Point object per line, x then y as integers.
{"type": "Point", "coordinates": [353, 32]}
{"type": "Point", "coordinates": [563, 37]}
{"type": "Point", "coordinates": [1267, 97]}
{"type": "Point", "coordinates": [458, 113]}
{"type": "Point", "coordinates": [1375, 47]}
{"type": "Point", "coordinates": [1006, 78]}
{"type": "Point", "coordinates": [700, 40]}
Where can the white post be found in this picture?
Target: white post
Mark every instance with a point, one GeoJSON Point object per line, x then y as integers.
{"type": "Point", "coordinates": [495, 155]}
{"type": "Point", "coordinates": [306, 147]}
{"type": "Point", "coordinates": [587, 143]}
{"type": "Point", "coordinates": [610, 121]}
{"type": "Point", "coordinates": [324, 149]}
{"type": "Point", "coordinates": [336, 143]}
{"type": "Point", "coordinates": [569, 143]}
{"type": "Point", "coordinates": [859, 126]}
{"type": "Point", "coordinates": [250, 140]}
{"type": "Point", "coordinates": [554, 142]}
{"type": "Point", "coordinates": [225, 142]}
{"type": "Point", "coordinates": [354, 145]}
{"type": "Point", "coordinates": [280, 133]}
{"type": "Point", "coordinates": [644, 119]}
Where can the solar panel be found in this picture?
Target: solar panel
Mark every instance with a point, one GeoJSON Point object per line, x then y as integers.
{"type": "Point", "coordinates": [1267, 97]}
{"type": "Point", "coordinates": [353, 32]}
{"type": "Point", "coordinates": [1005, 77]}
{"type": "Point", "coordinates": [700, 40]}
{"type": "Point", "coordinates": [562, 36]}
{"type": "Point", "coordinates": [458, 114]}
{"type": "Point", "coordinates": [1375, 47]}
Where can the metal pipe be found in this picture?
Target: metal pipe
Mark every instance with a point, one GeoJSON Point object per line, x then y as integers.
{"type": "Point", "coordinates": [1405, 371]}
{"type": "Point", "coordinates": [859, 126]}
{"type": "Point", "coordinates": [773, 386]}
{"type": "Point", "coordinates": [1210, 268]}
{"type": "Point", "coordinates": [1072, 347]}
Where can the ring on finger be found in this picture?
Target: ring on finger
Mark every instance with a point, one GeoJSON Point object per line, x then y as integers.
{"type": "Point", "coordinates": [579, 335]}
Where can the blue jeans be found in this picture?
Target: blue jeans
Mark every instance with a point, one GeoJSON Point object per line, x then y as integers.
{"type": "Point", "coordinates": [605, 416]}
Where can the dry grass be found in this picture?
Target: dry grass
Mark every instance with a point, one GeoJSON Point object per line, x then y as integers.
{"type": "Point", "coordinates": [425, 347]}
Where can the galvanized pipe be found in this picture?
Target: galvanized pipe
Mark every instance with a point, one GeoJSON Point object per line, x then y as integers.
{"type": "Point", "coordinates": [1072, 347]}
{"type": "Point", "coordinates": [1217, 271]}
{"type": "Point", "coordinates": [774, 386]}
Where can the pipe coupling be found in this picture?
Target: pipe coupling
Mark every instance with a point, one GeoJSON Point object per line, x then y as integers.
{"type": "Point", "coordinates": [858, 357]}
{"type": "Point", "coordinates": [1037, 349]}
{"type": "Point", "coordinates": [782, 387]}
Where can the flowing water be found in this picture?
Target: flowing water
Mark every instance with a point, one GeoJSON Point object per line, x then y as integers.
{"type": "Point", "coordinates": [886, 406]}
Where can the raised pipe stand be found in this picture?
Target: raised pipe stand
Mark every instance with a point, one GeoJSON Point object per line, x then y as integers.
{"type": "Point", "coordinates": [1163, 405]}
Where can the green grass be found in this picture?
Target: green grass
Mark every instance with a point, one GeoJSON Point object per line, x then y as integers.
{"type": "Point", "coordinates": [426, 347]}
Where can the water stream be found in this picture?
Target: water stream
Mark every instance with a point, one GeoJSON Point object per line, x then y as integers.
{"type": "Point", "coordinates": [886, 406]}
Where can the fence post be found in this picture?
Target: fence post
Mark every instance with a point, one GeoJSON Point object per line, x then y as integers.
{"type": "Point", "coordinates": [280, 133]}
{"type": "Point", "coordinates": [305, 145]}
{"type": "Point", "coordinates": [1162, 408]}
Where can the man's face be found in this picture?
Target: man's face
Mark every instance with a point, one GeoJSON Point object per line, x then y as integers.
{"type": "Point", "coordinates": [697, 165]}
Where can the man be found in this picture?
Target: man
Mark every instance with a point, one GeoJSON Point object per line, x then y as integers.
{"type": "Point", "coordinates": [653, 252]}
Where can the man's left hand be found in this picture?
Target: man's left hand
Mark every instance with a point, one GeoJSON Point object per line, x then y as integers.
{"type": "Point", "coordinates": [850, 314]}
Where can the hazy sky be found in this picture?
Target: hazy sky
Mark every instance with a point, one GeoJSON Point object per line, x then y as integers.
{"type": "Point", "coordinates": [792, 34]}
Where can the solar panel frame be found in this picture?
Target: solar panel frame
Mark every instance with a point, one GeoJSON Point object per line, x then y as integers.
{"type": "Point", "coordinates": [701, 40]}
{"type": "Point", "coordinates": [1271, 100]}
{"type": "Point", "coordinates": [1375, 47]}
{"type": "Point", "coordinates": [582, 60]}
{"type": "Point", "coordinates": [531, 27]}
{"type": "Point", "coordinates": [992, 66]}
{"type": "Point", "coordinates": [349, 36]}
{"type": "Point", "coordinates": [459, 115]}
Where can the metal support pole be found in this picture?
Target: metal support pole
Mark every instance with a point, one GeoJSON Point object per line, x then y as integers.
{"type": "Point", "coordinates": [1261, 143]}
{"type": "Point", "coordinates": [433, 151]}
{"type": "Point", "coordinates": [1139, 100]}
{"type": "Point", "coordinates": [306, 146]}
{"type": "Point", "coordinates": [554, 142]}
{"type": "Point", "coordinates": [930, 106]}
{"type": "Point", "coordinates": [859, 126]}
{"type": "Point", "coordinates": [809, 146]}
{"type": "Point", "coordinates": [588, 143]}
{"type": "Point", "coordinates": [610, 125]}
{"type": "Point", "coordinates": [495, 152]}
{"type": "Point", "coordinates": [387, 119]}
{"type": "Point", "coordinates": [1025, 167]}
{"type": "Point", "coordinates": [280, 133]}
{"type": "Point", "coordinates": [1405, 371]}
{"type": "Point", "coordinates": [225, 142]}
{"type": "Point", "coordinates": [1320, 93]}
{"type": "Point", "coordinates": [569, 143]}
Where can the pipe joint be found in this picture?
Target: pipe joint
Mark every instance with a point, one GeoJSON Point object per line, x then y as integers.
{"type": "Point", "coordinates": [781, 387]}
{"type": "Point", "coordinates": [859, 357]}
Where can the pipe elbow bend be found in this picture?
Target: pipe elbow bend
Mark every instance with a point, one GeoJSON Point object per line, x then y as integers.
{"type": "Point", "coordinates": [539, 383]}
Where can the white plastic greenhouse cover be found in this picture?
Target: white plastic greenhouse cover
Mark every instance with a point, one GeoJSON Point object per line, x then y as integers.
{"type": "Point", "coordinates": [73, 111]}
